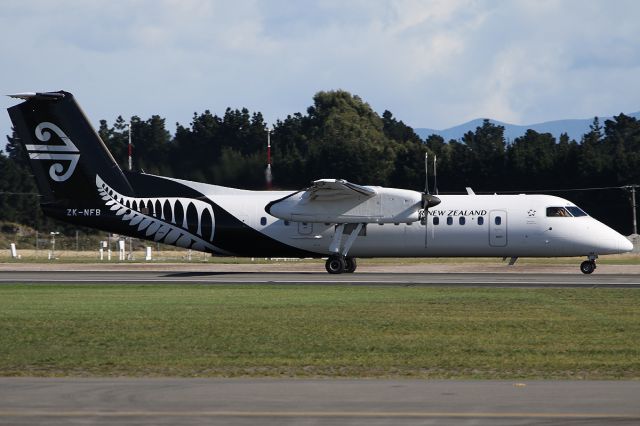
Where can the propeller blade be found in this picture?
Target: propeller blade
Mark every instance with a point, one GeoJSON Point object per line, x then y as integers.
{"type": "Point", "coordinates": [426, 172]}
{"type": "Point", "coordinates": [435, 174]}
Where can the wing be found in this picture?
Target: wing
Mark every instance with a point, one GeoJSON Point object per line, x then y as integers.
{"type": "Point", "coordinates": [339, 201]}
{"type": "Point", "coordinates": [336, 189]}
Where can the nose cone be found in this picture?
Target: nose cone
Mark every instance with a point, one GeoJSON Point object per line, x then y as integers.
{"type": "Point", "coordinates": [626, 245]}
{"type": "Point", "coordinates": [614, 243]}
{"type": "Point", "coordinates": [598, 238]}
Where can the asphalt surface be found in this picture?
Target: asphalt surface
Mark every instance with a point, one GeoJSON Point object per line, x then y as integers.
{"type": "Point", "coordinates": [487, 279]}
{"type": "Point", "coordinates": [29, 401]}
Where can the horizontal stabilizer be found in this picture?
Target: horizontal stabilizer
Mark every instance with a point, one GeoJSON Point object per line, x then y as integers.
{"type": "Point", "coordinates": [41, 95]}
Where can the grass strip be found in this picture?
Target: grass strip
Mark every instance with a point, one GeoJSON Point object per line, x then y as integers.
{"type": "Point", "coordinates": [318, 331]}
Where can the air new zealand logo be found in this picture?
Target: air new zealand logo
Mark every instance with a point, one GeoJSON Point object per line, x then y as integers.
{"type": "Point", "coordinates": [67, 152]}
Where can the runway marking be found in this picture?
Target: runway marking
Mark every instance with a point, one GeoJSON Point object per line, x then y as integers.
{"type": "Point", "coordinates": [322, 414]}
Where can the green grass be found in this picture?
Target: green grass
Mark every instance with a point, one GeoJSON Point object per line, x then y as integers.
{"type": "Point", "coordinates": [334, 331]}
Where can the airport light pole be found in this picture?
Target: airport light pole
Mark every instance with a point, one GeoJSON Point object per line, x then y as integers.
{"type": "Point", "coordinates": [129, 147]}
{"type": "Point", "coordinates": [268, 175]}
{"type": "Point", "coordinates": [632, 189]}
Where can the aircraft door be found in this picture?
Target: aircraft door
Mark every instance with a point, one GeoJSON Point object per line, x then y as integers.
{"type": "Point", "coordinates": [497, 228]}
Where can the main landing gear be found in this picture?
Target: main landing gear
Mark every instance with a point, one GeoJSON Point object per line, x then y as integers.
{"type": "Point", "coordinates": [337, 264]}
{"type": "Point", "coordinates": [588, 266]}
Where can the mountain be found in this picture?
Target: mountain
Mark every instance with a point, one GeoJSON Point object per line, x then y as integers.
{"type": "Point", "coordinates": [575, 128]}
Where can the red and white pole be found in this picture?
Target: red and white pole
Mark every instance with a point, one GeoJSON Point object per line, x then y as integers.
{"type": "Point", "coordinates": [130, 149]}
{"type": "Point", "coordinates": [268, 175]}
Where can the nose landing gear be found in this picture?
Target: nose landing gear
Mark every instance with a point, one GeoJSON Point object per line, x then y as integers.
{"type": "Point", "coordinates": [588, 266]}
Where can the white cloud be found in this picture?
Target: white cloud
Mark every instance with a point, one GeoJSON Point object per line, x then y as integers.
{"type": "Point", "coordinates": [432, 63]}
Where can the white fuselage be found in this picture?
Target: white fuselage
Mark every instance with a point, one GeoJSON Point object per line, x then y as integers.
{"type": "Point", "coordinates": [462, 225]}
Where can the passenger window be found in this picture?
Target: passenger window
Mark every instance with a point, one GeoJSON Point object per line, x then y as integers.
{"type": "Point", "coordinates": [286, 223]}
{"type": "Point", "coordinates": [436, 220]}
{"type": "Point", "coordinates": [480, 220]}
{"type": "Point", "coordinates": [461, 220]}
{"type": "Point", "coordinates": [449, 221]}
{"type": "Point", "coordinates": [498, 220]}
{"type": "Point", "coordinates": [263, 221]}
{"type": "Point", "coordinates": [557, 212]}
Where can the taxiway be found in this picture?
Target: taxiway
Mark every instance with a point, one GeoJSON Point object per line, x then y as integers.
{"type": "Point", "coordinates": [31, 401]}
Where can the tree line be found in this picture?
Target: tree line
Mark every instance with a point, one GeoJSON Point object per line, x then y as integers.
{"type": "Point", "coordinates": [340, 136]}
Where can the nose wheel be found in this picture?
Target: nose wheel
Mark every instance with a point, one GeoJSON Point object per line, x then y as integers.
{"type": "Point", "coordinates": [588, 266]}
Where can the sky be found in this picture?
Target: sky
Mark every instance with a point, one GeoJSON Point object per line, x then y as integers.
{"type": "Point", "coordinates": [433, 63]}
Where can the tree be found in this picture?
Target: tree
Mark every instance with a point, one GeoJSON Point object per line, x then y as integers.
{"type": "Point", "coordinates": [15, 150]}
{"type": "Point", "coordinates": [592, 158]}
{"type": "Point", "coordinates": [487, 154]}
{"type": "Point", "coordinates": [622, 144]}
{"type": "Point", "coordinates": [531, 155]}
{"type": "Point", "coordinates": [397, 130]}
{"type": "Point", "coordinates": [347, 140]}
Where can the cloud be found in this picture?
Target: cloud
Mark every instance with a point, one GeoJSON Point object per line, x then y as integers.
{"type": "Point", "coordinates": [432, 63]}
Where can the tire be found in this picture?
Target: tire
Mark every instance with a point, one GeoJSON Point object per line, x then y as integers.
{"type": "Point", "coordinates": [588, 266]}
{"type": "Point", "coordinates": [350, 265]}
{"type": "Point", "coordinates": [335, 265]}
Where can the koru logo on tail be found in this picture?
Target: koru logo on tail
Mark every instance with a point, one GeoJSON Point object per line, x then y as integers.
{"type": "Point", "coordinates": [67, 152]}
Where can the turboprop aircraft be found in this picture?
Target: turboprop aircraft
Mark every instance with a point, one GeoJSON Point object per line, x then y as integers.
{"type": "Point", "coordinates": [80, 182]}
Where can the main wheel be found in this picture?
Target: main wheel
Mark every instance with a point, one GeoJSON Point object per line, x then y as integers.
{"type": "Point", "coordinates": [588, 266]}
{"type": "Point", "coordinates": [335, 265]}
{"type": "Point", "coordinates": [350, 265]}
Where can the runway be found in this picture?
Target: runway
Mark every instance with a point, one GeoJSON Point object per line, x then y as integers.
{"type": "Point", "coordinates": [30, 401]}
{"type": "Point", "coordinates": [491, 279]}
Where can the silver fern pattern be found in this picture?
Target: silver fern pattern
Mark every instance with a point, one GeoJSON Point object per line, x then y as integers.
{"type": "Point", "coordinates": [164, 219]}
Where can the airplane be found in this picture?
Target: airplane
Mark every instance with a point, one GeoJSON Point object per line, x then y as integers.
{"type": "Point", "coordinates": [81, 183]}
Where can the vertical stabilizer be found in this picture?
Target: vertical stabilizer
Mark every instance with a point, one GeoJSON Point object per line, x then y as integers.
{"type": "Point", "coordinates": [64, 150]}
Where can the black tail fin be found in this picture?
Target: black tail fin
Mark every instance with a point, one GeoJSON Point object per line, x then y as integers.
{"type": "Point", "coordinates": [65, 152]}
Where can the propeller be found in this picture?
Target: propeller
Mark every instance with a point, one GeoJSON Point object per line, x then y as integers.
{"type": "Point", "coordinates": [435, 174]}
{"type": "Point", "coordinates": [428, 200]}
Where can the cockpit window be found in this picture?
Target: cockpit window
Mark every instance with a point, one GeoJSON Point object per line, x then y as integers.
{"type": "Point", "coordinates": [557, 212]}
{"type": "Point", "coordinates": [576, 211]}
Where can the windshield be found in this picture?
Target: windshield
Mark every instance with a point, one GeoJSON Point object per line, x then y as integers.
{"type": "Point", "coordinates": [576, 211]}
{"type": "Point", "coordinates": [557, 212]}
